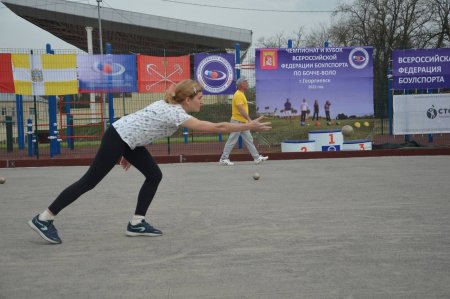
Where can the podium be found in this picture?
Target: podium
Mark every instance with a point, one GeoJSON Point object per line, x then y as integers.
{"type": "Point", "coordinates": [298, 146]}
{"type": "Point", "coordinates": [357, 145]}
{"type": "Point", "coordinates": [327, 140]}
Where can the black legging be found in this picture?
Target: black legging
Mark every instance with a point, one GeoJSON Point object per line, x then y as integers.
{"type": "Point", "coordinates": [111, 149]}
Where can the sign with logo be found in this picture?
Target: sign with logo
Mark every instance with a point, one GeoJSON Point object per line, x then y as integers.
{"type": "Point", "coordinates": [215, 72]}
{"type": "Point", "coordinates": [107, 73]}
{"type": "Point", "coordinates": [269, 59]}
{"type": "Point", "coordinates": [421, 69]}
{"type": "Point", "coordinates": [421, 114]}
{"type": "Point", "coordinates": [156, 74]}
{"type": "Point", "coordinates": [342, 76]}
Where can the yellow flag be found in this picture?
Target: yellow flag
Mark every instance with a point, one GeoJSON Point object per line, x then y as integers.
{"type": "Point", "coordinates": [45, 74]}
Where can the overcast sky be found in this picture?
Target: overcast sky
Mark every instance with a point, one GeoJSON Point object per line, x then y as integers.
{"type": "Point", "coordinates": [16, 32]}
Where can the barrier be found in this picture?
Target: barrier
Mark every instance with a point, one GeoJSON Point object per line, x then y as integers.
{"type": "Point", "coordinates": [327, 140]}
{"type": "Point", "coordinates": [357, 145]}
{"type": "Point", "coordinates": [295, 146]}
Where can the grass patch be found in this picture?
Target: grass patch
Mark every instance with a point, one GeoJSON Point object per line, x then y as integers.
{"type": "Point", "coordinates": [285, 129]}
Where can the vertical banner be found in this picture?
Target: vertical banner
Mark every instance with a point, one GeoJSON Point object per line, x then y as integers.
{"type": "Point", "coordinates": [6, 74]}
{"type": "Point", "coordinates": [421, 114]}
{"type": "Point", "coordinates": [215, 72]}
{"type": "Point", "coordinates": [341, 76]}
{"type": "Point", "coordinates": [107, 73]}
{"type": "Point", "coordinates": [156, 74]}
{"type": "Point", "coordinates": [421, 68]}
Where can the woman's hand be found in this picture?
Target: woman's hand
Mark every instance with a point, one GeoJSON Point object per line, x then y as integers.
{"type": "Point", "coordinates": [125, 164]}
{"type": "Point", "coordinates": [258, 126]}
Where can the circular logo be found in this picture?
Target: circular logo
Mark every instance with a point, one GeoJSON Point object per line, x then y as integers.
{"type": "Point", "coordinates": [358, 58]}
{"type": "Point", "coordinates": [109, 69]}
{"type": "Point", "coordinates": [431, 112]}
{"type": "Point", "coordinates": [215, 74]}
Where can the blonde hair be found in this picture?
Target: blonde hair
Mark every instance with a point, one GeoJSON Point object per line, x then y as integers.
{"type": "Point", "coordinates": [176, 94]}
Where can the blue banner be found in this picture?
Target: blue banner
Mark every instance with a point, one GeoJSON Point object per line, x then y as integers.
{"type": "Point", "coordinates": [107, 73]}
{"type": "Point", "coordinates": [341, 76]}
{"type": "Point", "coordinates": [215, 72]}
{"type": "Point", "coordinates": [421, 68]}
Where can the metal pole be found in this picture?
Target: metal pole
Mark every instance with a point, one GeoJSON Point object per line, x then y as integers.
{"type": "Point", "coordinates": [430, 136]}
{"type": "Point", "coordinates": [19, 117]}
{"type": "Point", "coordinates": [36, 138]}
{"type": "Point", "coordinates": [36, 144]}
{"type": "Point", "coordinates": [30, 137]}
{"type": "Point", "coordinates": [110, 95]}
{"type": "Point", "coordinates": [100, 27]}
{"type": "Point", "coordinates": [101, 53]}
{"type": "Point", "coordinates": [238, 75]}
{"type": "Point", "coordinates": [52, 116]}
{"type": "Point", "coordinates": [123, 104]}
{"type": "Point", "coordinates": [9, 133]}
{"type": "Point", "coordinates": [390, 99]}
{"type": "Point", "coordinates": [92, 104]}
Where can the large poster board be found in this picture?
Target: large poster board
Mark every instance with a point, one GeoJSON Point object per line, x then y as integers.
{"type": "Point", "coordinates": [343, 76]}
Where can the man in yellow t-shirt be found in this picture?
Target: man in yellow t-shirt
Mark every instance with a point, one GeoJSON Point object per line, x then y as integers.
{"type": "Point", "coordinates": [239, 114]}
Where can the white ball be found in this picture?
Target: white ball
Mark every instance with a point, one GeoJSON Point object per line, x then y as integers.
{"type": "Point", "coordinates": [256, 176]}
{"type": "Point", "coordinates": [347, 131]}
{"type": "Point", "coordinates": [2, 180]}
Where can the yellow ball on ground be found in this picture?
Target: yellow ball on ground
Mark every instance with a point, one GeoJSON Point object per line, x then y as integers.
{"type": "Point", "coordinates": [357, 124]}
{"type": "Point", "coordinates": [366, 124]}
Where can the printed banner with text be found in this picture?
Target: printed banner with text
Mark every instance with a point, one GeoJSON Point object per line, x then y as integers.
{"type": "Point", "coordinates": [421, 68]}
{"type": "Point", "coordinates": [342, 76]}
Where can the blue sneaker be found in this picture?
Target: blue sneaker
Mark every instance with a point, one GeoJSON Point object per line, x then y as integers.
{"type": "Point", "coordinates": [142, 229]}
{"type": "Point", "coordinates": [45, 229]}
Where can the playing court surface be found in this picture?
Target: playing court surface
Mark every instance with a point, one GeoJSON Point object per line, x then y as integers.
{"type": "Point", "coordinates": [322, 228]}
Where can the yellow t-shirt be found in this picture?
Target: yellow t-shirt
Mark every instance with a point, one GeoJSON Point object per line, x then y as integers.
{"type": "Point", "coordinates": [239, 99]}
